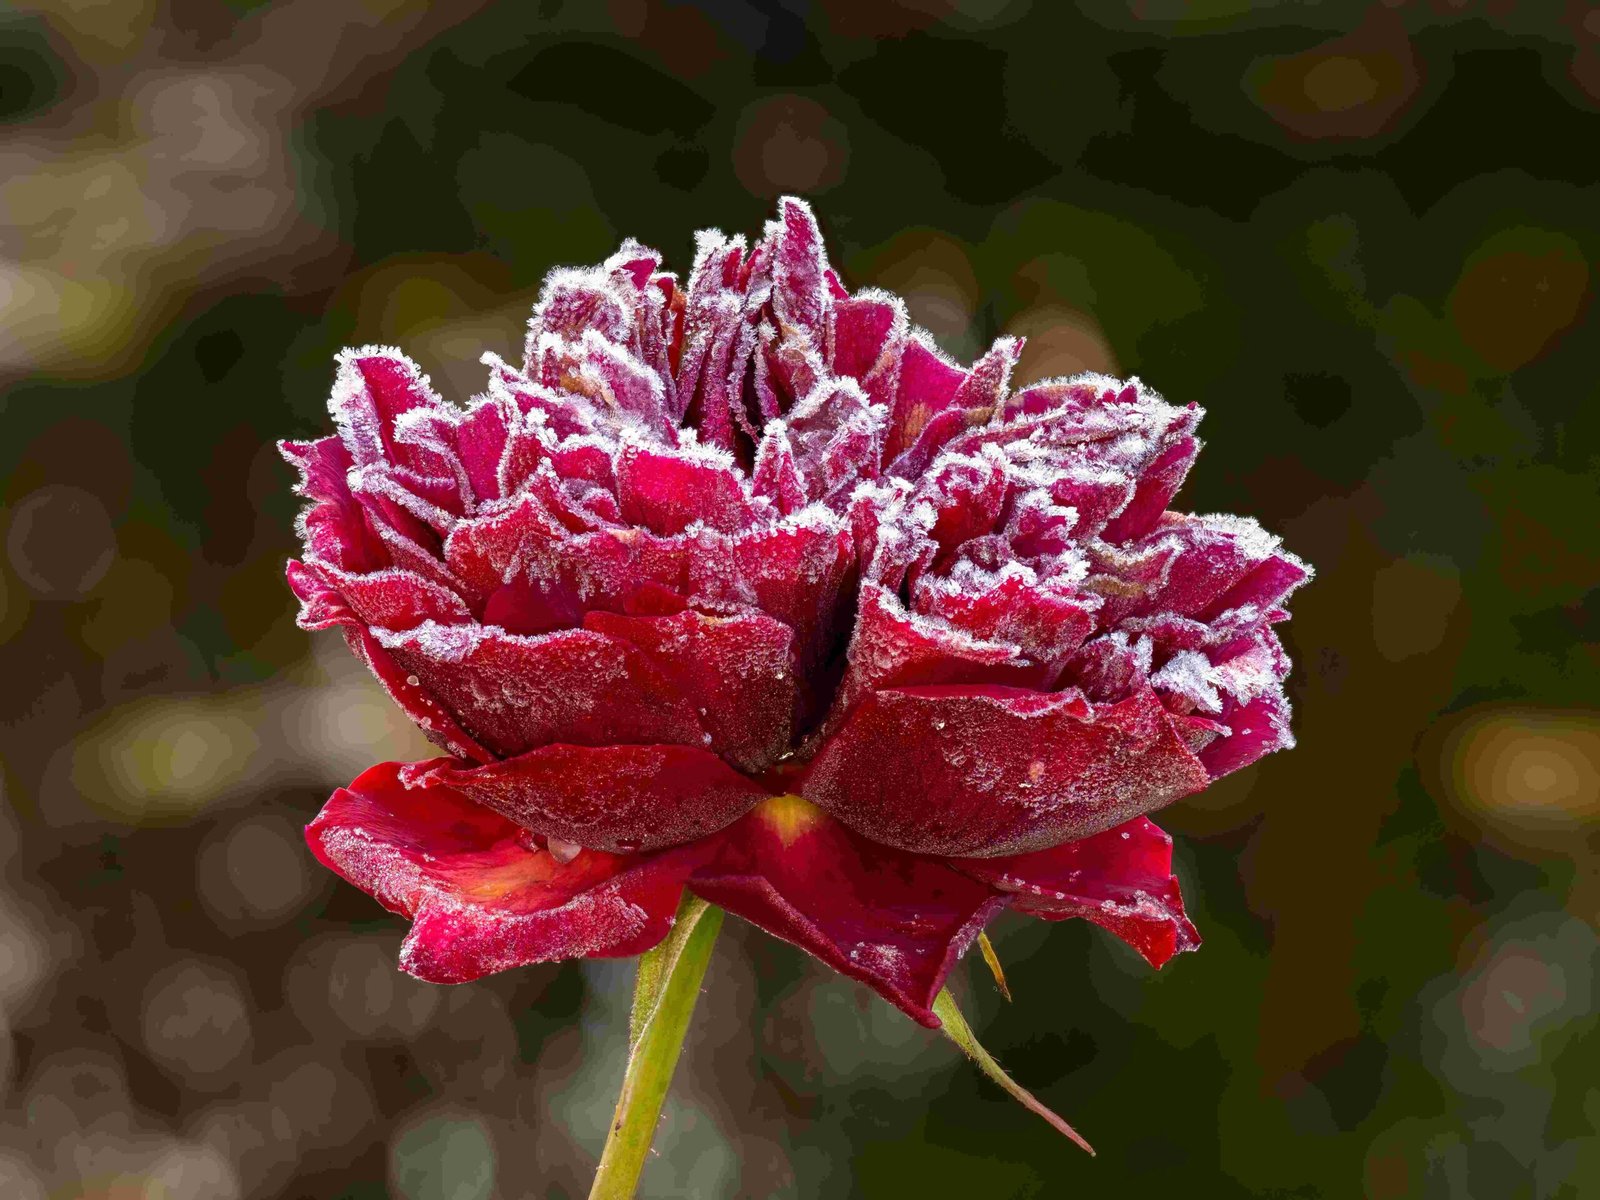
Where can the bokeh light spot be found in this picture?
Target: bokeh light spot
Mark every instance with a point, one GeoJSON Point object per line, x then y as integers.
{"type": "Point", "coordinates": [61, 543]}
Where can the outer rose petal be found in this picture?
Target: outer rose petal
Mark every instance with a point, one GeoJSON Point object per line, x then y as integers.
{"type": "Point", "coordinates": [895, 921]}
{"type": "Point", "coordinates": [1121, 880]}
{"type": "Point", "coordinates": [997, 770]}
{"type": "Point", "coordinates": [515, 693]}
{"type": "Point", "coordinates": [388, 599]}
{"type": "Point", "coordinates": [1258, 728]}
{"type": "Point", "coordinates": [323, 607]}
{"type": "Point", "coordinates": [739, 672]}
{"type": "Point", "coordinates": [333, 526]}
{"type": "Point", "coordinates": [481, 895]}
{"type": "Point", "coordinates": [615, 798]}
{"type": "Point", "coordinates": [891, 647]}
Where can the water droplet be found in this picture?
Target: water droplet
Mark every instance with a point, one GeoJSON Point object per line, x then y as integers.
{"type": "Point", "coordinates": [413, 680]}
{"type": "Point", "coordinates": [562, 851]}
{"type": "Point", "coordinates": [1126, 835]}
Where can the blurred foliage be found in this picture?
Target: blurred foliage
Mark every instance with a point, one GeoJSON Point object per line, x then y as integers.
{"type": "Point", "coordinates": [1364, 237]}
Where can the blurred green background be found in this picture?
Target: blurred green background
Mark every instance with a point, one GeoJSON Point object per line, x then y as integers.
{"type": "Point", "coordinates": [1363, 236]}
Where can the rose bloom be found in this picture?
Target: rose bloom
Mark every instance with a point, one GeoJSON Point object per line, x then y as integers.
{"type": "Point", "coordinates": [743, 586]}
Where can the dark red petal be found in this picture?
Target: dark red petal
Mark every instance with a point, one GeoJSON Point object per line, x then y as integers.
{"type": "Point", "coordinates": [967, 496]}
{"type": "Point", "coordinates": [374, 387]}
{"type": "Point", "coordinates": [927, 384]}
{"type": "Point", "coordinates": [511, 538]}
{"type": "Point", "coordinates": [481, 895]}
{"type": "Point", "coordinates": [1257, 729]}
{"type": "Point", "coordinates": [837, 435]}
{"type": "Point", "coordinates": [623, 388]}
{"type": "Point", "coordinates": [739, 672]}
{"type": "Point", "coordinates": [389, 599]}
{"type": "Point", "coordinates": [408, 691]}
{"type": "Point", "coordinates": [985, 384]}
{"type": "Point", "coordinates": [866, 330]}
{"type": "Point", "coordinates": [1120, 879]}
{"type": "Point", "coordinates": [892, 648]}
{"type": "Point", "coordinates": [615, 798]}
{"type": "Point", "coordinates": [1158, 483]}
{"type": "Point", "coordinates": [1188, 563]}
{"type": "Point", "coordinates": [667, 491]}
{"type": "Point", "coordinates": [799, 298]}
{"type": "Point", "coordinates": [1047, 624]}
{"type": "Point", "coordinates": [777, 475]}
{"type": "Point", "coordinates": [895, 921]}
{"type": "Point", "coordinates": [516, 693]}
{"type": "Point", "coordinates": [993, 770]}
{"type": "Point", "coordinates": [481, 441]}
{"type": "Point", "coordinates": [1262, 589]}
{"type": "Point", "coordinates": [334, 527]}
{"type": "Point", "coordinates": [793, 572]}
{"type": "Point", "coordinates": [573, 301]}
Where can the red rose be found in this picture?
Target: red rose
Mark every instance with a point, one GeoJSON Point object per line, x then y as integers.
{"type": "Point", "coordinates": [744, 587]}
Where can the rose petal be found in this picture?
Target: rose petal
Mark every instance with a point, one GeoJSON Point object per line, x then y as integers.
{"type": "Point", "coordinates": [1121, 879]}
{"type": "Point", "coordinates": [515, 693]}
{"type": "Point", "coordinates": [389, 599]}
{"type": "Point", "coordinates": [739, 672]}
{"type": "Point", "coordinates": [894, 648]}
{"type": "Point", "coordinates": [481, 895]}
{"type": "Point", "coordinates": [799, 298]}
{"type": "Point", "coordinates": [777, 475]}
{"type": "Point", "coordinates": [334, 526]}
{"type": "Point", "coordinates": [1257, 728]}
{"type": "Point", "coordinates": [615, 798]}
{"type": "Point", "coordinates": [418, 701]}
{"type": "Point", "coordinates": [894, 921]}
{"type": "Point", "coordinates": [666, 491]}
{"type": "Point", "coordinates": [928, 383]}
{"type": "Point", "coordinates": [867, 329]}
{"type": "Point", "coordinates": [1158, 482]}
{"type": "Point", "coordinates": [374, 386]}
{"type": "Point", "coordinates": [995, 770]}
{"type": "Point", "coordinates": [1046, 623]}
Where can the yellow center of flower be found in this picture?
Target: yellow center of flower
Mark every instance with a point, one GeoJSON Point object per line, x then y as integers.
{"type": "Point", "coordinates": [789, 816]}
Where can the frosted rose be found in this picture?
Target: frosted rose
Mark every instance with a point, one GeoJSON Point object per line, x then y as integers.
{"type": "Point", "coordinates": [742, 586]}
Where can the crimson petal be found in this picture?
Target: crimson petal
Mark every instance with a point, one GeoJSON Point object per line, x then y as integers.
{"type": "Point", "coordinates": [738, 671]}
{"type": "Point", "coordinates": [481, 895]}
{"type": "Point", "coordinates": [517, 692]}
{"type": "Point", "coordinates": [896, 922]}
{"type": "Point", "coordinates": [994, 770]}
{"type": "Point", "coordinates": [1120, 879]}
{"type": "Point", "coordinates": [615, 798]}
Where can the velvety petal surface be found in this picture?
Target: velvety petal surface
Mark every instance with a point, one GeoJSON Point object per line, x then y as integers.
{"type": "Point", "coordinates": [515, 693]}
{"type": "Point", "coordinates": [896, 922]}
{"type": "Point", "coordinates": [996, 770]}
{"type": "Point", "coordinates": [615, 798]}
{"type": "Point", "coordinates": [482, 895]}
{"type": "Point", "coordinates": [1121, 879]}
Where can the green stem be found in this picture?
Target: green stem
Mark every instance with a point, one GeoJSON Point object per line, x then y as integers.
{"type": "Point", "coordinates": [664, 996]}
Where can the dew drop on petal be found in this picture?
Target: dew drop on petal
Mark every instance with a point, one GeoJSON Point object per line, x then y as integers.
{"type": "Point", "coordinates": [562, 851]}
